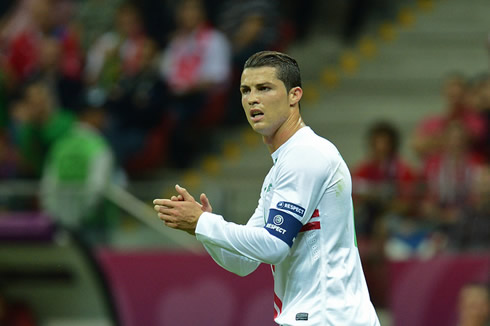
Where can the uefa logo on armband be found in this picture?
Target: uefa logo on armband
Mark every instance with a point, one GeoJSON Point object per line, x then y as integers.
{"type": "Point", "coordinates": [278, 220]}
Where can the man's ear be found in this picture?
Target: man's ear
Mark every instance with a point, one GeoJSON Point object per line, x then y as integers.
{"type": "Point", "coordinates": [295, 95]}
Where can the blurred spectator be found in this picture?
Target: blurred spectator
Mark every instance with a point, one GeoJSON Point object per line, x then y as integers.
{"type": "Point", "coordinates": [198, 56]}
{"type": "Point", "coordinates": [118, 52]}
{"type": "Point", "coordinates": [450, 177]}
{"type": "Point", "coordinates": [251, 26]}
{"type": "Point", "coordinates": [485, 112]}
{"type": "Point", "coordinates": [137, 104]}
{"type": "Point", "coordinates": [158, 19]}
{"type": "Point", "coordinates": [472, 230]}
{"type": "Point", "coordinates": [428, 134]}
{"type": "Point", "coordinates": [195, 67]}
{"type": "Point", "coordinates": [478, 97]}
{"type": "Point", "coordinates": [22, 40]}
{"type": "Point", "coordinates": [16, 19]}
{"type": "Point", "coordinates": [122, 71]}
{"type": "Point", "coordinates": [383, 189]}
{"type": "Point", "coordinates": [474, 305]}
{"type": "Point", "coordinates": [383, 182]}
{"type": "Point", "coordinates": [38, 123]}
{"type": "Point", "coordinates": [66, 90]}
{"type": "Point", "coordinates": [78, 169]}
{"type": "Point", "coordinates": [474, 96]}
{"type": "Point", "coordinates": [95, 18]}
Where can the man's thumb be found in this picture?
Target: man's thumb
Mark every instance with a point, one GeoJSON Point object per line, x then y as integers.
{"type": "Point", "coordinates": [206, 206]}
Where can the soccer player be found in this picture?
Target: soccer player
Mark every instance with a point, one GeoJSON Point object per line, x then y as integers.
{"type": "Point", "coordinates": [303, 225]}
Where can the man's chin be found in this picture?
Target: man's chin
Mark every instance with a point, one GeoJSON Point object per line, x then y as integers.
{"type": "Point", "coordinates": [258, 128]}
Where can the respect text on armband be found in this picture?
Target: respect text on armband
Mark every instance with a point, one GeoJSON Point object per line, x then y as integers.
{"type": "Point", "coordinates": [275, 228]}
{"type": "Point", "coordinates": [291, 207]}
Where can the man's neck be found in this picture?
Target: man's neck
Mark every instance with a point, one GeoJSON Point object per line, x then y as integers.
{"type": "Point", "coordinates": [286, 130]}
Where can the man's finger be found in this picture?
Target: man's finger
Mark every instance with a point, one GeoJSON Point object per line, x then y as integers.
{"type": "Point", "coordinates": [183, 192]}
{"type": "Point", "coordinates": [168, 211]}
{"type": "Point", "coordinates": [171, 225]}
{"type": "Point", "coordinates": [159, 208]}
{"type": "Point", "coordinates": [177, 198]}
{"type": "Point", "coordinates": [165, 202]}
{"type": "Point", "coordinates": [158, 201]}
{"type": "Point", "coordinates": [167, 218]}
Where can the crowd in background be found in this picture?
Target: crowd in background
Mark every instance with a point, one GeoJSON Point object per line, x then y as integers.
{"type": "Point", "coordinates": [441, 204]}
{"type": "Point", "coordinates": [150, 77]}
{"type": "Point", "coordinates": [449, 188]}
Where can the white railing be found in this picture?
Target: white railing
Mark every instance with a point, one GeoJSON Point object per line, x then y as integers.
{"type": "Point", "coordinates": [123, 199]}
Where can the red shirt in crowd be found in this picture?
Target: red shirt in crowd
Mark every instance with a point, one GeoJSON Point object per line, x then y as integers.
{"type": "Point", "coordinates": [392, 178]}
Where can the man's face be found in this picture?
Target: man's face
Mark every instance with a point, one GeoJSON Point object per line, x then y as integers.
{"type": "Point", "coordinates": [264, 99]}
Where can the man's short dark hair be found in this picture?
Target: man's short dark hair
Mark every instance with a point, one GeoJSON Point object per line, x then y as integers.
{"type": "Point", "coordinates": [287, 69]}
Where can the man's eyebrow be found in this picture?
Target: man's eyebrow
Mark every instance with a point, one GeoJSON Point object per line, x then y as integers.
{"type": "Point", "coordinates": [264, 84]}
{"type": "Point", "coordinates": [257, 85]}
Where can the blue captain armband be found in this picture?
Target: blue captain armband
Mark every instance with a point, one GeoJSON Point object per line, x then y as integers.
{"type": "Point", "coordinates": [283, 226]}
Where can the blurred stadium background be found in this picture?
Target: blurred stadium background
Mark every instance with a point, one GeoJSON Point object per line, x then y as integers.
{"type": "Point", "coordinates": [107, 104]}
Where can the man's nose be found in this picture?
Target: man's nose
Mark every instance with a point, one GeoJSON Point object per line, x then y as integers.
{"type": "Point", "coordinates": [252, 98]}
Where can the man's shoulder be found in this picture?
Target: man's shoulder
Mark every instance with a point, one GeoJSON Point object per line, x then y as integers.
{"type": "Point", "coordinates": [313, 154]}
{"type": "Point", "coordinates": [311, 146]}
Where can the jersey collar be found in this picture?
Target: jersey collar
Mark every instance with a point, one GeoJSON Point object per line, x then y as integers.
{"type": "Point", "coordinates": [297, 134]}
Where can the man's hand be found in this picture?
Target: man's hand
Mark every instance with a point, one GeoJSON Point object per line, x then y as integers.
{"type": "Point", "coordinates": [205, 205]}
{"type": "Point", "coordinates": [182, 211]}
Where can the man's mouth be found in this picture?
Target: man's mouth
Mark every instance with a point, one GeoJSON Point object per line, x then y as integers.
{"type": "Point", "coordinates": [256, 114]}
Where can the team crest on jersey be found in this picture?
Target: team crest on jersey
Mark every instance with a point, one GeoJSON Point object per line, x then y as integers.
{"type": "Point", "coordinates": [291, 207]}
{"type": "Point", "coordinates": [278, 220]}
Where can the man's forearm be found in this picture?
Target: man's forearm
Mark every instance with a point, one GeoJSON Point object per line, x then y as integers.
{"type": "Point", "coordinates": [254, 243]}
{"type": "Point", "coordinates": [230, 261]}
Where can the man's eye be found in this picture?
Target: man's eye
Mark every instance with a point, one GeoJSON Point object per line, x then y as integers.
{"type": "Point", "coordinates": [264, 88]}
{"type": "Point", "coordinates": [245, 91]}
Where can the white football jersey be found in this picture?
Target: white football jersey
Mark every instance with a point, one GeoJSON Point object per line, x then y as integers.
{"type": "Point", "coordinates": [306, 204]}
